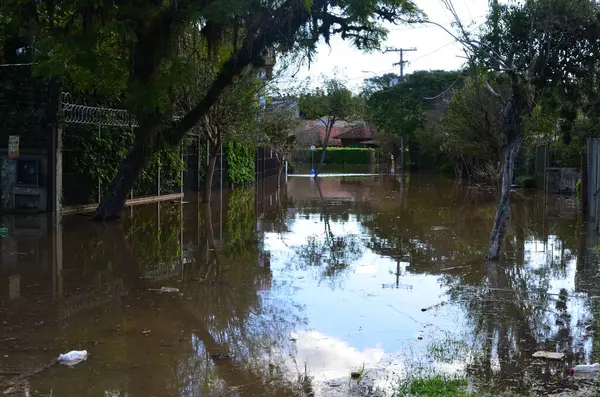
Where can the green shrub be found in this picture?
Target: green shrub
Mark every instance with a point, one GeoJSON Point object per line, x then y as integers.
{"type": "Point", "coordinates": [526, 182]}
{"type": "Point", "coordinates": [338, 155]}
{"type": "Point", "coordinates": [447, 168]}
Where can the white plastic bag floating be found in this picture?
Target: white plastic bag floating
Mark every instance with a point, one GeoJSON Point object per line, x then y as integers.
{"type": "Point", "coordinates": [165, 289]}
{"type": "Point", "coordinates": [73, 357]}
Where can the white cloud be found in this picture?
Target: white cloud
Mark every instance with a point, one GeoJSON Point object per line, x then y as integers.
{"type": "Point", "coordinates": [436, 49]}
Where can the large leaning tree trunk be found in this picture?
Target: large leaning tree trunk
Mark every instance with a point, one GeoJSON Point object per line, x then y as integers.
{"type": "Point", "coordinates": [516, 107]}
{"type": "Point", "coordinates": [147, 138]}
{"type": "Point", "coordinates": [137, 159]}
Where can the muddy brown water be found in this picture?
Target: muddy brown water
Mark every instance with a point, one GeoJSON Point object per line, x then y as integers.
{"type": "Point", "coordinates": [286, 291]}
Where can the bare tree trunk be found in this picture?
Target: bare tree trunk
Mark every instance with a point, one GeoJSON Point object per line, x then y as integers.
{"type": "Point", "coordinates": [210, 171]}
{"type": "Point", "coordinates": [324, 149]}
{"type": "Point", "coordinates": [516, 106]}
{"type": "Point", "coordinates": [280, 171]}
{"type": "Point", "coordinates": [403, 152]}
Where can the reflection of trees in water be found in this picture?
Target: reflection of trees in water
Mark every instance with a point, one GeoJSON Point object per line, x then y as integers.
{"type": "Point", "coordinates": [153, 233]}
{"type": "Point", "coordinates": [229, 312]}
{"type": "Point", "coordinates": [332, 254]}
{"type": "Point", "coordinates": [510, 315]}
{"type": "Point", "coordinates": [505, 327]}
{"type": "Point", "coordinates": [277, 216]}
{"type": "Point", "coordinates": [236, 317]}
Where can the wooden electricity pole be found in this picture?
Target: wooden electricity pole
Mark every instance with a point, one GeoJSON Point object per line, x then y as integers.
{"type": "Point", "coordinates": [402, 63]}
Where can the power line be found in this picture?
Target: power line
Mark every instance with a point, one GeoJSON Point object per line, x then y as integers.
{"type": "Point", "coordinates": [444, 46]}
{"type": "Point", "coordinates": [375, 74]}
{"type": "Point", "coordinates": [425, 25]}
{"type": "Point", "coordinates": [434, 51]}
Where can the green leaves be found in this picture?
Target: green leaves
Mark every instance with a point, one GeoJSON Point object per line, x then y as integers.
{"type": "Point", "coordinates": [240, 163]}
{"type": "Point", "coordinates": [333, 101]}
{"type": "Point", "coordinates": [401, 110]}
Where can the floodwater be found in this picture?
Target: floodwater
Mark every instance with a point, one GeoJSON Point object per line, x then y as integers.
{"type": "Point", "coordinates": [287, 291]}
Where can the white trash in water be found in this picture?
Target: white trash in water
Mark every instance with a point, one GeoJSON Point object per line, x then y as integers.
{"type": "Point", "coordinates": [73, 357]}
{"type": "Point", "coordinates": [585, 368]}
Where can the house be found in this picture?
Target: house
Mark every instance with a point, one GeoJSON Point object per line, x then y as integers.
{"type": "Point", "coordinates": [313, 132]}
{"type": "Point", "coordinates": [357, 135]}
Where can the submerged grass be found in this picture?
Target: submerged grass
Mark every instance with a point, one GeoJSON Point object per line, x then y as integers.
{"type": "Point", "coordinates": [439, 386]}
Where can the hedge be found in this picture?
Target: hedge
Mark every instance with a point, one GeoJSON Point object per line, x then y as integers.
{"type": "Point", "coordinates": [338, 155]}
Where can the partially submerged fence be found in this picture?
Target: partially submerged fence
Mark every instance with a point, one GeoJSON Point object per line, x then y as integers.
{"type": "Point", "coordinates": [592, 183]}
{"type": "Point", "coordinates": [95, 141]}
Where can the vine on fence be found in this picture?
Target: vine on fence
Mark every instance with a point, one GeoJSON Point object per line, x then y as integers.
{"type": "Point", "coordinates": [240, 162]}
{"type": "Point", "coordinates": [98, 156]}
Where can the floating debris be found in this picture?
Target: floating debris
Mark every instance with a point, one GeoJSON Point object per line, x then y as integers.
{"type": "Point", "coordinates": [73, 357]}
{"type": "Point", "coordinates": [221, 357]}
{"type": "Point", "coordinates": [433, 307]}
{"type": "Point", "coordinates": [549, 355]}
{"type": "Point", "coordinates": [164, 289]}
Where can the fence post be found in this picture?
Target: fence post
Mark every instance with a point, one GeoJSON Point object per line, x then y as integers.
{"type": "Point", "coordinates": [183, 168]}
{"type": "Point", "coordinates": [99, 180]}
{"type": "Point", "coordinates": [584, 182]}
{"type": "Point", "coordinates": [158, 177]}
{"type": "Point", "coordinates": [57, 165]}
{"type": "Point", "coordinates": [199, 162]}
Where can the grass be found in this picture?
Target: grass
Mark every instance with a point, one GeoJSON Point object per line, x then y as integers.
{"type": "Point", "coordinates": [438, 386]}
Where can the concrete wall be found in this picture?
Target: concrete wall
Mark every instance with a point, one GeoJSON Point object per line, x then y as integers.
{"type": "Point", "coordinates": [562, 180]}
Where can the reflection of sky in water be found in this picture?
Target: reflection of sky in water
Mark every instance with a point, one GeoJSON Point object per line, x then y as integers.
{"type": "Point", "coordinates": [359, 319]}
{"type": "Point", "coordinates": [541, 256]}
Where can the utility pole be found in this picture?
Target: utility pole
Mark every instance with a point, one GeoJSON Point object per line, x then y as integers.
{"type": "Point", "coordinates": [402, 61]}
{"type": "Point", "coordinates": [404, 137]}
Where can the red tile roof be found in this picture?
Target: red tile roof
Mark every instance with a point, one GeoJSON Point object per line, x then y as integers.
{"type": "Point", "coordinates": [358, 132]}
{"type": "Point", "coordinates": [316, 127]}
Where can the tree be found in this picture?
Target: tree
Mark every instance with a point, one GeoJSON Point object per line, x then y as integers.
{"type": "Point", "coordinates": [377, 83]}
{"type": "Point", "coordinates": [330, 104]}
{"type": "Point", "coordinates": [232, 118]}
{"type": "Point", "coordinates": [471, 135]}
{"type": "Point", "coordinates": [543, 47]}
{"type": "Point", "coordinates": [400, 110]}
{"type": "Point", "coordinates": [128, 49]}
{"type": "Point", "coordinates": [279, 127]}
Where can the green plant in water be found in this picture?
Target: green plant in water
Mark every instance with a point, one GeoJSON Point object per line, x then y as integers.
{"type": "Point", "coordinates": [358, 375]}
{"type": "Point", "coordinates": [436, 386]}
{"type": "Point", "coordinates": [440, 386]}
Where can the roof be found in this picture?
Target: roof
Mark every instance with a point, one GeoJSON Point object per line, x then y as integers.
{"type": "Point", "coordinates": [315, 128]}
{"type": "Point", "coordinates": [358, 132]}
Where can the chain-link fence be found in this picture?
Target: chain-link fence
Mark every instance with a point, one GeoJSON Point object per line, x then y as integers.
{"type": "Point", "coordinates": [95, 141]}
